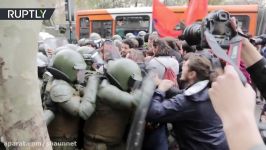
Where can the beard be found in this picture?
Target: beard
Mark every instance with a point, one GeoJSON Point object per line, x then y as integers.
{"type": "Point", "coordinates": [183, 82]}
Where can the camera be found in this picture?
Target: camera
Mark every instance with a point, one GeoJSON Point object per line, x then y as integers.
{"type": "Point", "coordinates": [217, 23]}
{"type": "Point", "coordinates": [258, 40]}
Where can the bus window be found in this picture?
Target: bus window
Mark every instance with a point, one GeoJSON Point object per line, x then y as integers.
{"type": "Point", "coordinates": [84, 27]}
{"type": "Point", "coordinates": [104, 28]}
{"type": "Point", "coordinates": [133, 24]}
{"type": "Point", "coordinates": [243, 22]}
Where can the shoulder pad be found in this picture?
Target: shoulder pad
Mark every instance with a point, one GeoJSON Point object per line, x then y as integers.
{"type": "Point", "coordinates": [61, 91]}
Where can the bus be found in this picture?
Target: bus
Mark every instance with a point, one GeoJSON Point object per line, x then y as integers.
{"type": "Point", "coordinates": [108, 22]}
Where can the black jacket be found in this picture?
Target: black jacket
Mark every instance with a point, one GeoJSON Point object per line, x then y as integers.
{"type": "Point", "coordinates": [258, 75]}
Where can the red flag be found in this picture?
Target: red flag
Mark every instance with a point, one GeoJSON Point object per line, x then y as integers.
{"type": "Point", "coordinates": [164, 20]}
{"type": "Point", "coordinates": [197, 9]}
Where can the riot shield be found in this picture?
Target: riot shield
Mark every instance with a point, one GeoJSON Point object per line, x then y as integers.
{"type": "Point", "coordinates": [109, 51]}
{"type": "Point", "coordinates": [136, 133]}
{"type": "Point", "coordinates": [51, 44]}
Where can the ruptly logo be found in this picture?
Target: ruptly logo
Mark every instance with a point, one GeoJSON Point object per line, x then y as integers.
{"type": "Point", "coordinates": [26, 13]}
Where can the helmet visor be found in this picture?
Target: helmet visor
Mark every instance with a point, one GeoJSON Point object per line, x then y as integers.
{"type": "Point", "coordinates": [81, 76]}
{"type": "Point", "coordinates": [80, 66]}
{"type": "Point", "coordinates": [97, 59]}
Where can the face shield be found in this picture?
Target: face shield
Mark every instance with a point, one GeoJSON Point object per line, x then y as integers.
{"type": "Point", "coordinates": [98, 43]}
{"type": "Point", "coordinates": [87, 59]}
{"type": "Point", "coordinates": [81, 72]}
{"type": "Point", "coordinates": [81, 76]}
{"type": "Point", "coordinates": [97, 59]}
{"type": "Point", "coordinates": [93, 57]}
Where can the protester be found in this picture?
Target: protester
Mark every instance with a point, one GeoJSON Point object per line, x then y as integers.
{"type": "Point", "coordinates": [150, 44]}
{"type": "Point", "coordinates": [255, 64]}
{"type": "Point", "coordinates": [127, 44]}
{"type": "Point", "coordinates": [236, 109]}
{"type": "Point", "coordinates": [135, 42]}
{"type": "Point", "coordinates": [141, 43]}
{"type": "Point", "coordinates": [195, 123]}
{"type": "Point", "coordinates": [155, 135]}
{"type": "Point", "coordinates": [136, 56]}
{"type": "Point", "coordinates": [162, 59]}
{"type": "Point", "coordinates": [172, 42]}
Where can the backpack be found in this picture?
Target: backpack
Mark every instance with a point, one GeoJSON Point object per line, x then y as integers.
{"type": "Point", "coordinates": [169, 74]}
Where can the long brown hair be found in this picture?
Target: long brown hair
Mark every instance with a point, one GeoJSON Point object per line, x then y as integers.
{"type": "Point", "coordinates": [163, 48]}
{"type": "Point", "coordinates": [172, 42]}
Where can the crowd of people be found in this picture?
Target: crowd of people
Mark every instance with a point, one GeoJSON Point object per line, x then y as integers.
{"type": "Point", "coordinates": [96, 85]}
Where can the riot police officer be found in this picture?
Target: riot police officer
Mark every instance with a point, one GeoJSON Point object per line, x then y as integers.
{"type": "Point", "coordinates": [96, 38]}
{"type": "Point", "coordinates": [92, 57]}
{"type": "Point", "coordinates": [116, 100]}
{"type": "Point", "coordinates": [67, 69]}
